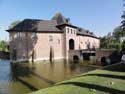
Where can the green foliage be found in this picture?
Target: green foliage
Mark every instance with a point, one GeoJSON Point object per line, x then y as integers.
{"type": "Point", "coordinates": [112, 40]}
{"type": "Point", "coordinates": [118, 33]}
{"type": "Point", "coordinates": [3, 46]}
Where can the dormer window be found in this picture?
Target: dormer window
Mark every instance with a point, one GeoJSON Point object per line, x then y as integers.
{"type": "Point", "coordinates": [68, 20]}
{"type": "Point", "coordinates": [87, 31]}
{"type": "Point", "coordinates": [91, 33]}
{"type": "Point", "coordinates": [80, 29]}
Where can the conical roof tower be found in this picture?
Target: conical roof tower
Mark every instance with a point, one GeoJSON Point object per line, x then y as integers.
{"type": "Point", "coordinates": [59, 18]}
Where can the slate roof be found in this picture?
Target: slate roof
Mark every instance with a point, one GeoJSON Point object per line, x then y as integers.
{"type": "Point", "coordinates": [53, 25]}
{"type": "Point", "coordinates": [84, 32]}
{"type": "Point", "coordinates": [48, 25]}
{"type": "Point", "coordinates": [70, 25]}
{"type": "Point", "coordinates": [35, 25]}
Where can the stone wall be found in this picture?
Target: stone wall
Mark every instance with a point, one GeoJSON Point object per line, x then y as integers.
{"type": "Point", "coordinates": [73, 53]}
{"type": "Point", "coordinates": [49, 43]}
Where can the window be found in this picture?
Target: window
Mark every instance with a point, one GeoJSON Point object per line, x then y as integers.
{"type": "Point", "coordinates": [22, 34]}
{"type": "Point", "coordinates": [50, 38]}
{"type": "Point", "coordinates": [11, 37]}
{"type": "Point", "coordinates": [71, 31]}
{"type": "Point", "coordinates": [58, 41]}
{"type": "Point", "coordinates": [67, 30]}
{"type": "Point", "coordinates": [33, 35]}
{"type": "Point", "coordinates": [74, 31]}
{"type": "Point", "coordinates": [18, 34]}
{"type": "Point", "coordinates": [71, 44]}
{"type": "Point", "coordinates": [15, 35]}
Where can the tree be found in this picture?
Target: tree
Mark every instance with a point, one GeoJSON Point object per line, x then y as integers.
{"type": "Point", "coordinates": [117, 33]}
{"type": "Point", "coordinates": [112, 40]}
{"type": "Point", "coordinates": [103, 42]}
{"type": "Point", "coordinates": [3, 45]}
{"type": "Point", "coordinates": [14, 24]}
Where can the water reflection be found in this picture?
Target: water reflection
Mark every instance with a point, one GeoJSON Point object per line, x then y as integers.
{"type": "Point", "coordinates": [28, 77]}
{"type": "Point", "coordinates": [21, 70]}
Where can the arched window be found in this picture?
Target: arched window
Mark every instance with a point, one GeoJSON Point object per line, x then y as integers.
{"type": "Point", "coordinates": [71, 44]}
{"type": "Point", "coordinates": [75, 58]}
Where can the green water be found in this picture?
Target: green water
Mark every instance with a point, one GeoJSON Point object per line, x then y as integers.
{"type": "Point", "coordinates": [24, 78]}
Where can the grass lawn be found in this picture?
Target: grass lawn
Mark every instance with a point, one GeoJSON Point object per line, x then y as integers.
{"type": "Point", "coordinates": [110, 80]}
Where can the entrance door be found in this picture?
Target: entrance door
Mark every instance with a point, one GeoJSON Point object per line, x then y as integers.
{"type": "Point", "coordinates": [71, 44]}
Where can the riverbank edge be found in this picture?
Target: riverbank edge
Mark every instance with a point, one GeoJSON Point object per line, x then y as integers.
{"type": "Point", "coordinates": [56, 89]}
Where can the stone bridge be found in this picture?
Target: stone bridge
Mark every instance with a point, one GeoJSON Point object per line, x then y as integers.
{"type": "Point", "coordinates": [82, 54]}
{"type": "Point", "coordinates": [102, 53]}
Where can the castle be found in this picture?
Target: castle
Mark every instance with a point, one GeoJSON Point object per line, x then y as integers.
{"type": "Point", "coordinates": [34, 39]}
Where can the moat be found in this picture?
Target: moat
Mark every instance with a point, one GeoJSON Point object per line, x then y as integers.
{"type": "Point", "coordinates": [24, 78]}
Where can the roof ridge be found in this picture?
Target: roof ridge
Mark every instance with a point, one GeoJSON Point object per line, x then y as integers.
{"type": "Point", "coordinates": [33, 19]}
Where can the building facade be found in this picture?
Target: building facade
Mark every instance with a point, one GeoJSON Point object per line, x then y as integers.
{"type": "Point", "coordinates": [34, 40]}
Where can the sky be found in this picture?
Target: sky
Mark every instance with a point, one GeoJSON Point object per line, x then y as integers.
{"type": "Point", "coordinates": [98, 16]}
